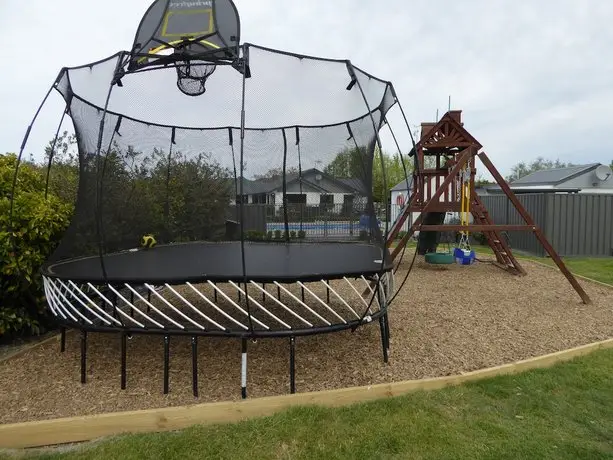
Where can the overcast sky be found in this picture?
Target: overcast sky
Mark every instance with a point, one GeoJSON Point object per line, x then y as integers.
{"type": "Point", "coordinates": [532, 77]}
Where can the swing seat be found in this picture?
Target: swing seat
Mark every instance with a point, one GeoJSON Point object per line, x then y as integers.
{"type": "Point", "coordinates": [439, 258]}
{"type": "Point", "coordinates": [464, 256]}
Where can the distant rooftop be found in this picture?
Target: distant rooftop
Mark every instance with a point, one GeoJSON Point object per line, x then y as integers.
{"type": "Point", "coordinates": [554, 176]}
{"type": "Point", "coordinates": [402, 185]}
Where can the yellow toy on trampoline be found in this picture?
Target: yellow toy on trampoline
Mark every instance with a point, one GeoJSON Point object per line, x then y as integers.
{"type": "Point", "coordinates": [148, 241]}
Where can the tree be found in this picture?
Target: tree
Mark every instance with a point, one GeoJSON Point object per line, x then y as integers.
{"type": "Point", "coordinates": [38, 222]}
{"type": "Point", "coordinates": [522, 169]}
{"type": "Point", "coordinates": [480, 181]}
{"type": "Point", "coordinates": [276, 173]}
{"type": "Point", "coordinates": [387, 170]}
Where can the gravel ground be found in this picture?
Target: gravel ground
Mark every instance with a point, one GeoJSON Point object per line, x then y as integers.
{"type": "Point", "coordinates": [446, 320]}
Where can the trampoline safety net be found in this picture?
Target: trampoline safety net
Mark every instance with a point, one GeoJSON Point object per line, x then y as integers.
{"type": "Point", "coordinates": [181, 168]}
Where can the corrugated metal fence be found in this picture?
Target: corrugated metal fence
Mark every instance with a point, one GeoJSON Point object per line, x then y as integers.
{"type": "Point", "coordinates": [575, 224]}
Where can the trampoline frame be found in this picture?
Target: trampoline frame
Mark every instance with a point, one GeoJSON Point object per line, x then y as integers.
{"type": "Point", "coordinates": [62, 293]}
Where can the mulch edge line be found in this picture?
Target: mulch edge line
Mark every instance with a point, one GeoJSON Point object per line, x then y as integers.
{"type": "Point", "coordinates": [67, 430]}
{"type": "Point", "coordinates": [554, 267]}
{"type": "Point", "coordinates": [29, 347]}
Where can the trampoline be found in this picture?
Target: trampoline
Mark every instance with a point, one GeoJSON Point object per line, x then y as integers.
{"type": "Point", "coordinates": [190, 130]}
{"type": "Point", "coordinates": [219, 262]}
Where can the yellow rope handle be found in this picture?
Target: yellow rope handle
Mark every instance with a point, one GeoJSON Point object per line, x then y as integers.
{"type": "Point", "coordinates": [465, 207]}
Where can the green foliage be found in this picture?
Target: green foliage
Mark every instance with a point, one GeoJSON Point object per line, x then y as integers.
{"type": "Point", "coordinates": [354, 163]}
{"type": "Point", "coordinates": [130, 193]}
{"type": "Point", "coordinates": [301, 234]}
{"type": "Point", "coordinates": [37, 226]}
{"type": "Point", "coordinates": [256, 235]}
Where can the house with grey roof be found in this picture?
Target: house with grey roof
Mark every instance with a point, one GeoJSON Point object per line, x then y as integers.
{"type": "Point", "coordinates": [312, 187]}
{"type": "Point", "coordinates": [589, 178]}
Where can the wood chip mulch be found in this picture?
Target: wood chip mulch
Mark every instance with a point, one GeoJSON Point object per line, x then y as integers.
{"type": "Point", "coordinates": [446, 320]}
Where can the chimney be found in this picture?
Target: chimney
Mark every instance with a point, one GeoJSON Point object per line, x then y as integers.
{"type": "Point", "coordinates": [425, 128]}
{"type": "Point", "coordinates": [456, 115]}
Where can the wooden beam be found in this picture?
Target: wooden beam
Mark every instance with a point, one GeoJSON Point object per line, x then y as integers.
{"type": "Point", "coordinates": [537, 231]}
{"type": "Point", "coordinates": [476, 228]}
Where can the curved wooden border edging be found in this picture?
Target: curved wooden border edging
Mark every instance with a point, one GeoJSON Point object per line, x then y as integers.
{"type": "Point", "coordinates": [86, 428]}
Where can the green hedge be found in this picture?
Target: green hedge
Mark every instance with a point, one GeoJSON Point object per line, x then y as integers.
{"type": "Point", "coordinates": [38, 225]}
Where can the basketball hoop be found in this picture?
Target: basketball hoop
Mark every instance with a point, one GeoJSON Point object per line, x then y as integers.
{"type": "Point", "coordinates": [192, 76]}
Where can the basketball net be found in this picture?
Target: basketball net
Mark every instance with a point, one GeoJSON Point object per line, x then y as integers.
{"type": "Point", "coordinates": [192, 76]}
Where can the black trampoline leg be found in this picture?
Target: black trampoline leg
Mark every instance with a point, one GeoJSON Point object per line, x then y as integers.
{"type": "Point", "coordinates": [62, 340]}
{"type": "Point", "coordinates": [387, 331]}
{"type": "Point", "coordinates": [83, 356]}
{"type": "Point", "coordinates": [383, 338]}
{"type": "Point", "coordinates": [292, 365]}
{"type": "Point", "coordinates": [195, 366]}
{"type": "Point", "coordinates": [244, 368]}
{"type": "Point", "coordinates": [124, 339]}
{"type": "Point", "coordinates": [166, 361]}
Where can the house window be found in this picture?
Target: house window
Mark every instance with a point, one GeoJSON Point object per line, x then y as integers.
{"type": "Point", "coordinates": [259, 198]}
{"type": "Point", "coordinates": [296, 198]}
{"type": "Point", "coordinates": [326, 202]}
{"type": "Point", "coordinates": [244, 199]}
{"type": "Point", "coordinates": [326, 199]}
{"type": "Point", "coordinates": [348, 204]}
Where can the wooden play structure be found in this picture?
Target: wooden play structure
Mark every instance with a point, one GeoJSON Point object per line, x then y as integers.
{"type": "Point", "coordinates": [447, 184]}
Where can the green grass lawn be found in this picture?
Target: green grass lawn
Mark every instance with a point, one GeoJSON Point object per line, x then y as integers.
{"type": "Point", "coordinates": [560, 413]}
{"type": "Point", "coordinates": [565, 412]}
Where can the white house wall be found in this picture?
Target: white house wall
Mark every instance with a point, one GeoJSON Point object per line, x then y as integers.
{"type": "Point", "coordinates": [312, 198]}
{"type": "Point", "coordinates": [589, 183]}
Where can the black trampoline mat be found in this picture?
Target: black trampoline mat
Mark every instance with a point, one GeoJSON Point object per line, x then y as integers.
{"type": "Point", "coordinates": [201, 261]}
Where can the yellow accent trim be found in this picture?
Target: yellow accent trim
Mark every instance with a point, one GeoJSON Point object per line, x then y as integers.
{"type": "Point", "coordinates": [187, 34]}
{"type": "Point", "coordinates": [86, 428]}
{"type": "Point", "coordinates": [174, 42]}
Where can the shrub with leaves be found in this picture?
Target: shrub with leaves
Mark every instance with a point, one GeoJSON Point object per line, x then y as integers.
{"type": "Point", "coordinates": [37, 225]}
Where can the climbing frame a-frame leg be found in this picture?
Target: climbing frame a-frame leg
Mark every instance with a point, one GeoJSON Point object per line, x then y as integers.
{"type": "Point", "coordinates": [536, 229]}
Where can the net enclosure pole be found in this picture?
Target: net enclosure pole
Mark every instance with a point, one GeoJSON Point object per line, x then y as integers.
{"type": "Point", "coordinates": [195, 366]}
{"type": "Point", "coordinates": [123, 360]}
{"type": "Point", "coordinates": [292, 364]}
{"type": "Point", "coordinates": [535, 228]}
{"type": "Point", "coordinates": [244, 368]}
{"type": "Point", "coordinates": [99, 178]}
{"type": "Point", "coordinates": [18, 163]}
{"type": "Point", "coordinates": [245, 59]}
{"type": "Point", "coordinates": [377, 142]}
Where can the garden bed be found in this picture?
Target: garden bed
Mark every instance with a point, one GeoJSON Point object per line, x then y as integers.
{"type": "Point", "coordinates": [446, 320]}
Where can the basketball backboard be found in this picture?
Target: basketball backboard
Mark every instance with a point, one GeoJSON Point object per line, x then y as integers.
{"type": "Point", "coordinates": [209, 29]}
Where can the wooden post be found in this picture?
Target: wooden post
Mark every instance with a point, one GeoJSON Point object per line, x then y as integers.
{"type": "Point", "coordinates": [537, 231]}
